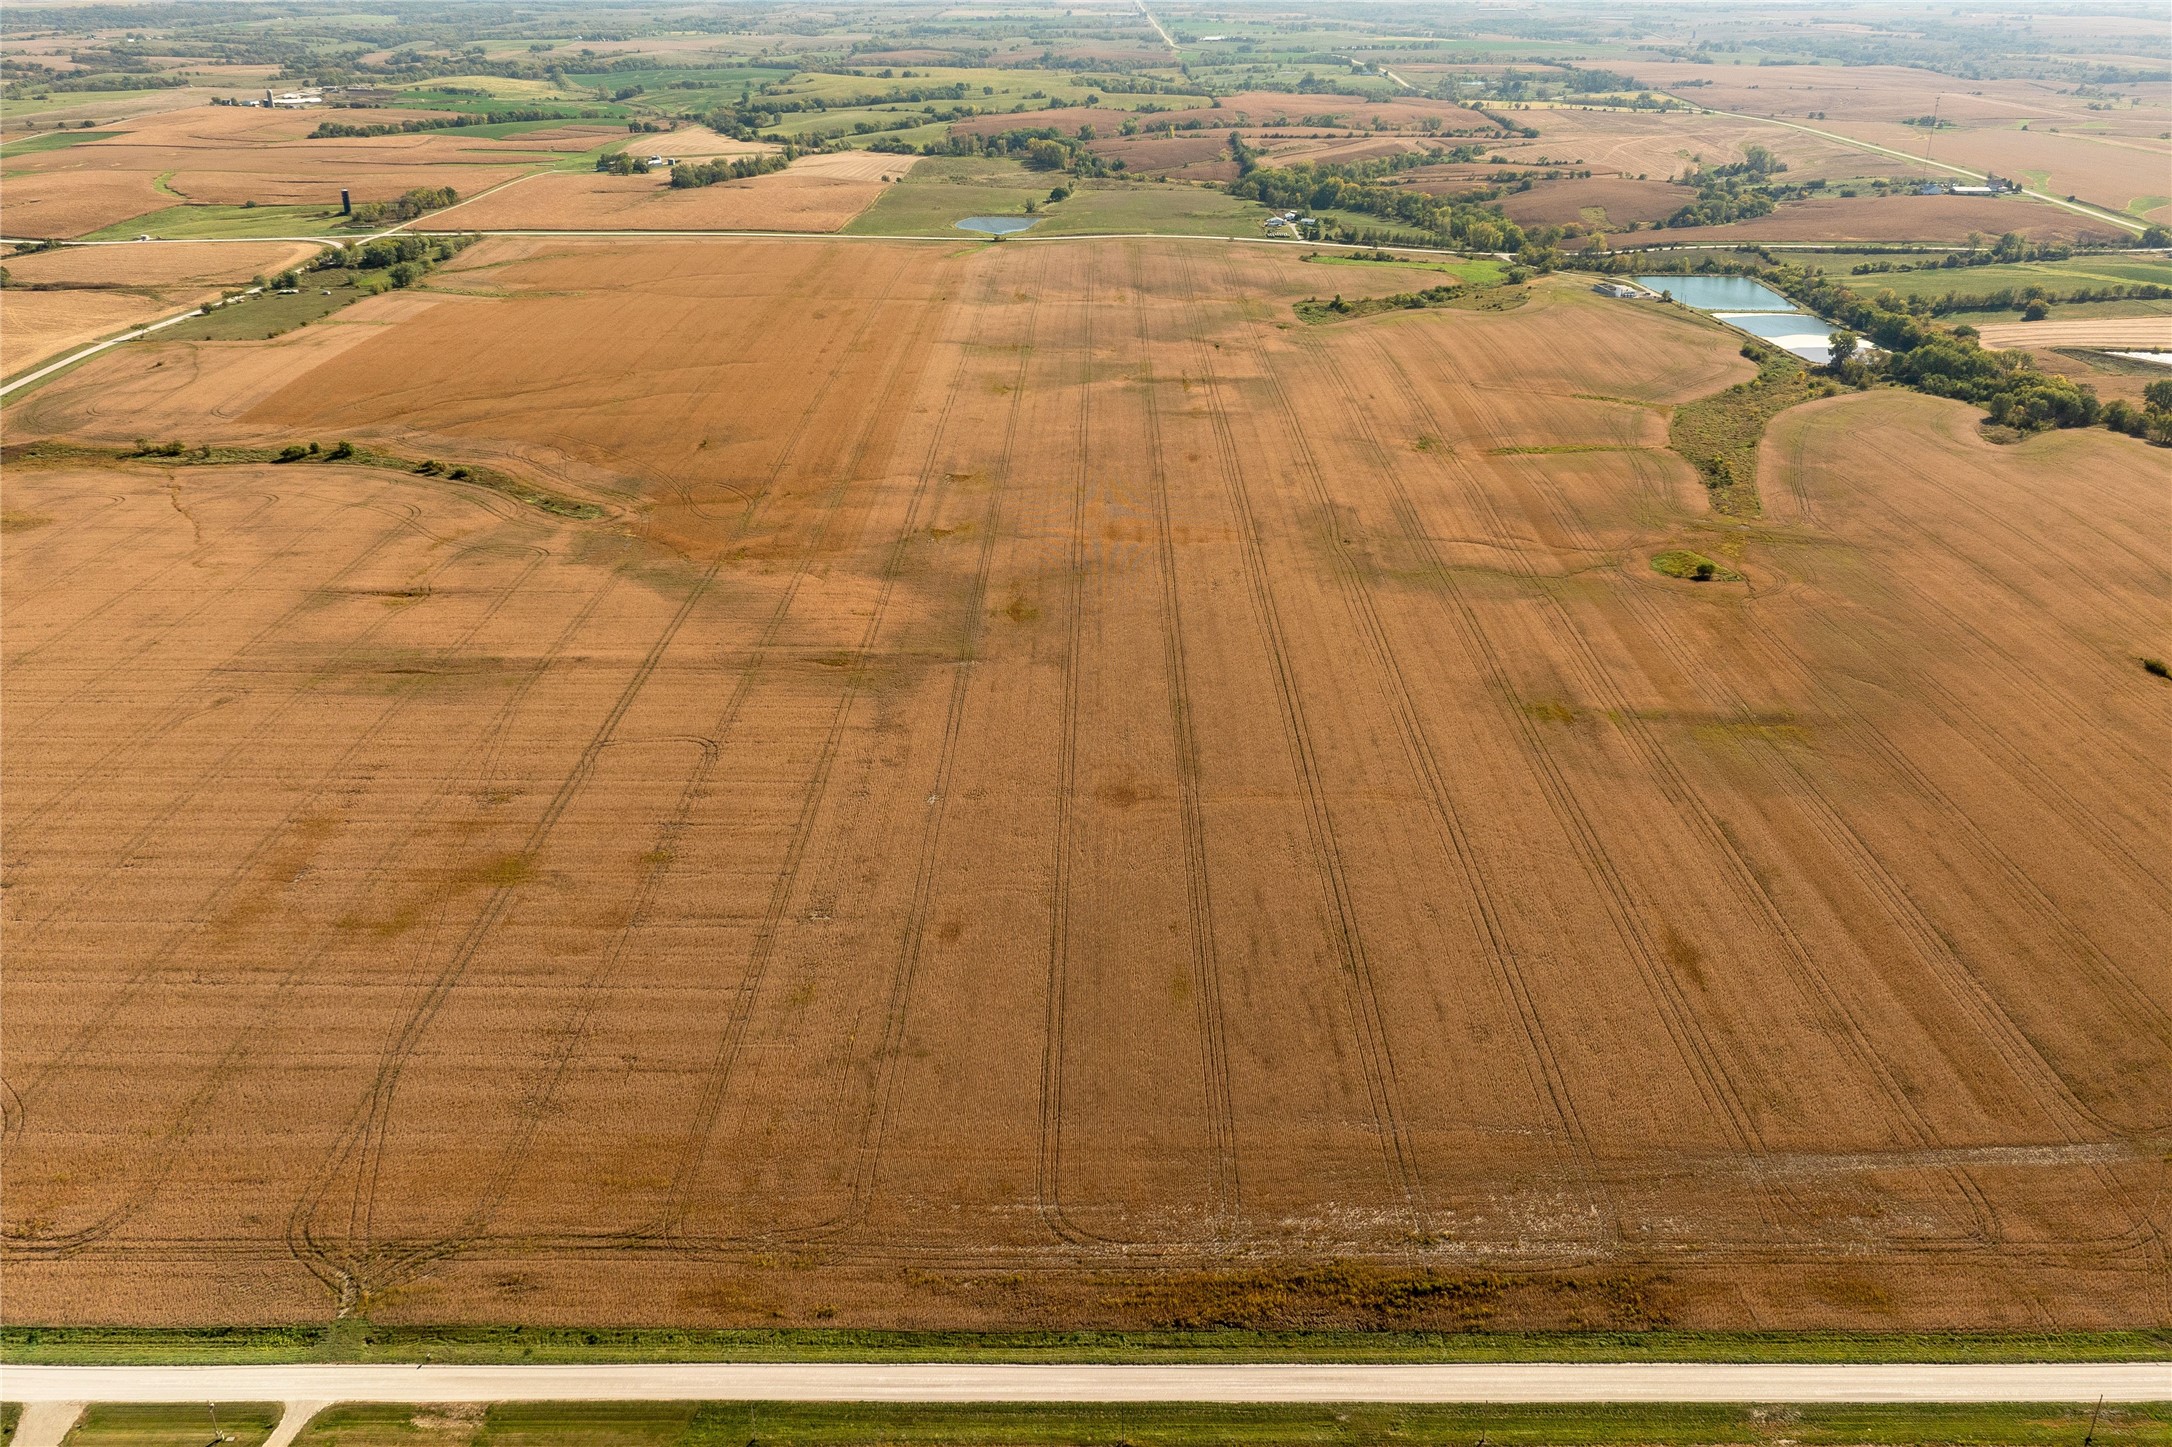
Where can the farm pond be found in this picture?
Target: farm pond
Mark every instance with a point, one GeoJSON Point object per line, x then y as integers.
{"type": "Point", "coordinates": [1754, 307]}
{"type": "Point", "coordinates": [996, 225]}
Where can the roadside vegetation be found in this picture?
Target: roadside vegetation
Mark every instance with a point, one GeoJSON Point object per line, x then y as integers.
{"type": "Point", "coordinates": [863, 1424]}
{"type": "Point", "coordinates": [360, 1340]}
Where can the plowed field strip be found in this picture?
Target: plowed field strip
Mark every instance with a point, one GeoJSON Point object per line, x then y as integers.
{"type": "Point", "coordinates": [896, 1008]}
{"type": "Point", "coordinates": [878, 421]}
{"type": "Point", "coordinates": [239, 749]}
{"type": "Point", "coordinates": [1699, 821]}
{"type": "Point", "coordinates": [35, 725]}
{"type": "Point", "coordinates": [1198, 886]}
{"type": "Point", "coordinates": [1398, 1156]}
{"type": "Point", "coordinates": [363, 1142]}
{"type": "Point", "coordinates": [1544, 1075]}
{"type": "Point", "coordinates": [169, 1142]}
{"type": "Point", "coordinates": [2022, 1055]}
{"type": "Point", "coordinates": [513, 1157]}
{"type": "Point", "coordinates": [1048, 1188]}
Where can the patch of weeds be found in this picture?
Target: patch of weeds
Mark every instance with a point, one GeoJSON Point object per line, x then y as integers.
{"type": "Point", "coordinates": [22, 522]}
{"type": "Point", "coordinates": [1332, 1293]}
{"type": "Point", "coordinates": [2155, 666]}
{"type": "Point", "coordinates": [1315, 312]}
{"type": "Point", "coordinates": [1693, 567]}
{"type": "Point", "coordinates": [1718, 435]}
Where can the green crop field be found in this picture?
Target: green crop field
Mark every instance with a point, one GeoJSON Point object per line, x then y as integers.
{"type": "Point", "coordinates": [29, 145]}
{"type": "Point", "coordinates": [205, 223]}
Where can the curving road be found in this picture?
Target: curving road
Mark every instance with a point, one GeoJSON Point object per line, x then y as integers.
{"type": "Point", "coordinates": [1522, 1382]}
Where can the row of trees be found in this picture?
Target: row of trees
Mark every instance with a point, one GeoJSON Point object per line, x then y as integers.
{"type": "Point", "coordinates": [1354, 186]}
{"type": "Point", "coordinates": [342, 130]}
{"type": "Point", "coordinates": [1944, 363]}
{"type": "Point", "coordinates": [407, 207]}
{"type": "Point", "coordinates": [689, 174]}
{"type": "Point", "coordinates": [1043, 148]}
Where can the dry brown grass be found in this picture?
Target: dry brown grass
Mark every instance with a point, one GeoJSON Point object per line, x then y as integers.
{"type": "Point", "coordinates": [1047, 780]}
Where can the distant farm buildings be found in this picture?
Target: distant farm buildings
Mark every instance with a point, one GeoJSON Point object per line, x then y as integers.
{"type": "Point", "coordinates": [1618, 288]}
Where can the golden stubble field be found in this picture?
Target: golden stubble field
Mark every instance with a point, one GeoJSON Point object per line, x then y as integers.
{"type": "Point", "coordinates": [1055, 795]}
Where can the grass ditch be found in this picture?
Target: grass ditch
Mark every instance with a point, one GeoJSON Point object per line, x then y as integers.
{"type": "Point", "coordinates": [179, 454]}
{"type": "Point", "coordinates": [1718, 435]}
{"type": "Point", "coordinates": [864, 1424]}
{"type": "Point", "coordinates": [361, 1340]}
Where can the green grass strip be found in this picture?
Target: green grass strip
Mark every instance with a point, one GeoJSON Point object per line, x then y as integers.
{"type": "Point", "coordinates": [1719, 434]}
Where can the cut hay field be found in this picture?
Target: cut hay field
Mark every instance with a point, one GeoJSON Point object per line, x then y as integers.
{"type": "Point", "coordinates": [1054, 795]}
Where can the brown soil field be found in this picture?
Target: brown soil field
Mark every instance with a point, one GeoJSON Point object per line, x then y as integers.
{"type": "Point", "coordinates": [1064, 118]}
{"type": "Point", "coordinates": [36, 326]}
{"type": "Point", "coordinates": [1658, 146]}
{"type": "Point", "coordinates": [2133, 333]}
{"type": "Point", "coordinates": [1261, 108]}
{"type": "Point", "coordinates": [62, 204]}
{"type": "Point", "coordinates": [1594, 201]}
{"type": "Point", "coordinates": [1289, 149]}
{"type": "Point", "coordinates": [817, 193]}
{"type": "Point", "coordinates": [158, 264]}
{"type": "Point", "coordinates": [2107, 157]}
{"type": "Point", "coordinates": [1896, 218]}
{"type": "Point", "coordinates": [227, 155]}
{"type": "Point", "coordinates": [1053, 794]}
{"type": "Point", "coordinates": [1193, 155]}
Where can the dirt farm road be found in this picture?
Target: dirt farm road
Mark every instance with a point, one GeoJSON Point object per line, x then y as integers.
{"type": "Point", "coordinates": [311, 1384]}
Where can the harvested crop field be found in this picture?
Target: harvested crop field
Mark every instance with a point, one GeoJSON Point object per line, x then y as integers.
{"type": "Point", "coordinates": [816, 193]}
{"type": "Point", "coordinates": [157, 264]}
{"type": "Point", "coordinates": [65, 298]}
{"type": "Point", "coordinates": [1902, 218]}
{"type": "Point", "coordinates": [227, 155]}
{"type": "Point", "coordinates": [1597, 201]}
{"type": "Point", "coordinates": [2154, 333]}
{"type": "Point", "coordinates": [1048, 794]}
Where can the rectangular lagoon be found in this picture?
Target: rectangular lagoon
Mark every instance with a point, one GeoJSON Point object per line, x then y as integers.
{"type": "Point", "coordinates": [1804, 335]}
{"type": "Point", "coordinates": [1720, 293]}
